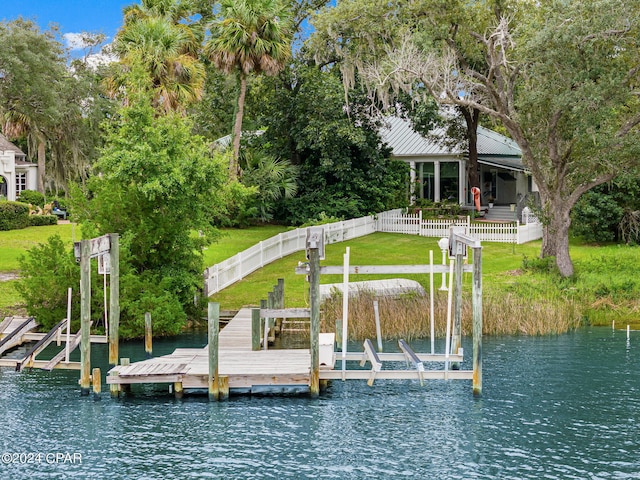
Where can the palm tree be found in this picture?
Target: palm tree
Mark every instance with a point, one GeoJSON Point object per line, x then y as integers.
{"type": "Point", "coordinates": [250, 36]}
{"type": "Point", "coordinates": [156, 37]}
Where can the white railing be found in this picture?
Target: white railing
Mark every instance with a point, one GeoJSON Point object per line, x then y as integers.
{"type": "Point", "coordinates": [439, 227]}
{"type": "Point", "coordinates": [242, 264]}
{"type": "Point", "coordinates": [235, 268]}
{"type": "Point", "coordinates": [397, 221]}
{"type": "Point", "coordinates": [529, 232]}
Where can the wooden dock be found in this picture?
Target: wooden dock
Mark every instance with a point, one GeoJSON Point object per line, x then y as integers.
{"type": "Point", "coordinates": [247, 370]}
{"type": "Point", "coordinates": [275, 371]}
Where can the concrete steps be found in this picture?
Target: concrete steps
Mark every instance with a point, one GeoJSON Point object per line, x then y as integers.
{"type": "Point", "coordinates": [500, 213]}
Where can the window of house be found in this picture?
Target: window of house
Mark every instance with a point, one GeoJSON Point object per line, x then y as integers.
{"type": "Point", "coordinates": [426, 177]}
{"type": "Point", "coordinates": [21, 182]}
{"type": "Point", "coordinates": [449, 181]}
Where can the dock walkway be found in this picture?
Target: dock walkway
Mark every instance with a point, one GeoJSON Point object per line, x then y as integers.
{"type": "Point", "coordinates": [247, 370]}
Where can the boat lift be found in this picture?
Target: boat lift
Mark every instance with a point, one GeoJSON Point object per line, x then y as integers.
{"type": "Point", "coordinates": [458, 243]}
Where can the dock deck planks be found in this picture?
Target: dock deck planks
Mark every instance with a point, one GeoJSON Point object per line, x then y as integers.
{"type": "Point", "coordinates": [244, 367]}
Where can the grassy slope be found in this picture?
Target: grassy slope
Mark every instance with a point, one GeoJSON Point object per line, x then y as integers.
{"type": "Point", "coordinates": [375, 249]}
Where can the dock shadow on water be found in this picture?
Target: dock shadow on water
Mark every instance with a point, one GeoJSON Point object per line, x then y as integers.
{"type": "Point", "coordinates": [560, 407]}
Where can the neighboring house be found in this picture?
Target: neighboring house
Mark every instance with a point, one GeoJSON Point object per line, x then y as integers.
{"type": "Point", "coordinates": [439, 171]}
{"type": "Point", "coordinates": [16, 174]}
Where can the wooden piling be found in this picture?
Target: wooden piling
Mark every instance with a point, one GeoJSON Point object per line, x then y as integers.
{"type": "Point", "coordinates": [85, 318]}
{"type": "Point", "coordinates": [477, 321]}
{"type": "Point", "coordinates": [271, 322]}
{"type": "Point", "coordinates": [376, 314]}
{"type": "Point", "coordinates": [279, 303]}
{"type": "Point", "coordinates": [123, 387]}
{"type": "Point", "coordinates": [456, 337]}
{"type": "Point", "coordinates": [223, 387]}
{"type": "Point", "coordinates": [255, 329]}
{"type": "Point", "coordinates": [213, 319]}
{"type": "Point", "coordinates": [314, 301]}
{"type": "Point", "coordinates": [178, 390]}
{"type": "Point", "coordinates": [114, 305]}
{"type": "Point", "coordinates": [264, 322]}
{"type": "Point", "coordinates": [96, 380]}
{"type": "Point", "coordinates": [148, 335]}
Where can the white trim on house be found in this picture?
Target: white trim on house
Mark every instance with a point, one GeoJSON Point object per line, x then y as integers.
{"type": "Point", "coordinates": [17, 174]}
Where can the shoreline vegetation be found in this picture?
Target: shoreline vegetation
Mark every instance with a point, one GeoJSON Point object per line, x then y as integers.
{"type": "Point", "coordinates": [522, 294]}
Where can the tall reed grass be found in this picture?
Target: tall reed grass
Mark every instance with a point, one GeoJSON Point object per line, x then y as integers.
{"type": "Point", "coordinates": [408, 316]}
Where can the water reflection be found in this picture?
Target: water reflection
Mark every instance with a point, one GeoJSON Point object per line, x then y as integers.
{"type": "Point", "coordinates": [553, 407]}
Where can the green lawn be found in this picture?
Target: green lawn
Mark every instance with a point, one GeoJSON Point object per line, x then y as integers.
{"type": "Point", "coordinates": [14, 243]}
{"type": "Point", "coordinates": [375, 249]}
{"type": "Point", "coordinates": [233, 241]}
{"type": "Point", "coordinates": [606, 280]}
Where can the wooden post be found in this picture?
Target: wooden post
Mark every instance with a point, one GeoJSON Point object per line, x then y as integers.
{"type": "Point", "coordinates": [456, 338]}
{"type": "Point", "coordinates": [85, 317]}
{"type": "Point", "coordinates": [345, 309]}
{"type": "Point", "coordinates": [255, 329]}
{"type": "Point", "coordinates": [213, 320]}
{"type": "Point", "coordinates": [280, 303]}
{"type": "Point", "coordinates": [314, 301]}
{"type": "Point", "coordinates": [148, 335]}
{"type": "Point", "coordinates": [177, 389]}
{"type": "Point", "coordinates": [432, 332]}
{"type": "Point", "coordinates": [67, 347]}
{"type": "Point", "coordinates": [376, 314]}
{"type": "Point", "coordinates": [123, 387]}
{"type": "Point", "coordinates": [265, 327]}
{"type": "Point", "coordinates": [96, 380]}
{"type": "Point", "coordinates": [271, 303]}
{"type": "Point", "coordinates": [114, 304]}
{"type": "Point", "coordinates": [223, 387]}
{"type": "Point", "coordinates": [477, 321]}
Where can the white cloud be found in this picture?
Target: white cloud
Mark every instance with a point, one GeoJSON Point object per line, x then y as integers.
{"type": "Point", "coordinates": [102, 58]}
{"type": "Point", "coordinates": [76, 41]}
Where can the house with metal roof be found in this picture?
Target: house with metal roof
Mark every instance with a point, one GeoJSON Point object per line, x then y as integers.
{"type": "Point", "coordinates": [16, 173]}
{"type": "Point", "coordinates": [438, 166]}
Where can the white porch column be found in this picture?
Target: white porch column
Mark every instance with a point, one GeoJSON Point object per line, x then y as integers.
{"type": "Point", "coordinates": [412, 180]}
{"type": "Point", "coordinates": [436, 181]}
{"type": "Point", "coordinates": [462, 182]}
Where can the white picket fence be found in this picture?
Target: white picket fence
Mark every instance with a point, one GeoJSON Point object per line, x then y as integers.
{"type": "Point", "coordinates": [395, 221]}
{"type": "Point", "coordinates": [233, 269]}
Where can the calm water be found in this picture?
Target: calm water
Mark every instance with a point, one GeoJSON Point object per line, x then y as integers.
{"type": "Point", "coordinates": [557, 407]}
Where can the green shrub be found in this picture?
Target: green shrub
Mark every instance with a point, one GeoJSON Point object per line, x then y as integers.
{"type": "Point", "coordinates": [41, 220]}
{"type": "Point", "coordinates": [13, 215]}
{"type": "Point", "coordinates": [47, 271]}
{"type": "Point", "coordinates": [33, 197]}
{"type": "Point", "coordinates": [153, 293]}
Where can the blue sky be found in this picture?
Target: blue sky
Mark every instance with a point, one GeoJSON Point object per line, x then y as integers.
{"type": "Point", "coordinates": [71, 16]}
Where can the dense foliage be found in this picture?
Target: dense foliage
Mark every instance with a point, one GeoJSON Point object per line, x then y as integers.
{"type": "Point", "coordinates": [150, 186]}
{"type": "Point", "coordinates": [344, 169]}
{"type": "Point", "coordinates": [601, 213]}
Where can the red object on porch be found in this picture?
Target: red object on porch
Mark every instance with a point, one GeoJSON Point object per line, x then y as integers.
{"type": "Point", "coordinates": [476, 197]}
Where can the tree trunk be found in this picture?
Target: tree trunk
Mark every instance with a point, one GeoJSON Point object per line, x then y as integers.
{"type": "Point", "coordinates": [471, 118]}
{"type": "Point", "coordinates": [41, 163]}
{"type": "Point", "coordinates": [234, 166]}
{"type": "Point", "coordinates": [555, 240]}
